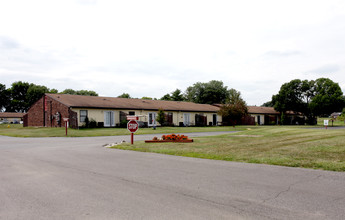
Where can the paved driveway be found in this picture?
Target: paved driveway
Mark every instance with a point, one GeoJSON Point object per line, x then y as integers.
{"type": "Point", "coordinates": [76, 178]}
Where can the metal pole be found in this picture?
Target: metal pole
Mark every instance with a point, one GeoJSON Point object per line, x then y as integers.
{"type": "Point", "coordinates": [132, 138]}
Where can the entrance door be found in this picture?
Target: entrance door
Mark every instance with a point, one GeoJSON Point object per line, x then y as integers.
{"type": "Point", "coordinates": [109, 119]}
{"type": "Point", "coordinates": [152, 119]}
{"type": "Point", "coordinates": [259, 121]}
{"type": "Point", "coordinates": [186, 119]}
{"type": "Point", "coordinates": [214, 119]}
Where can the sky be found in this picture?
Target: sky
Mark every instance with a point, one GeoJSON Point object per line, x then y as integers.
{"type": "Point", "coordinates": [150, 48]}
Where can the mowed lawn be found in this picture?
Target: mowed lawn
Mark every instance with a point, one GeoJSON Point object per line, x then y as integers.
{"type": "Point", "coordinates": [295, 146]}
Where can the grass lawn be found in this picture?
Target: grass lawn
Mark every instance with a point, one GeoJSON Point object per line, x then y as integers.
{"type": "Point", "coordinates": [16, 130]}
{"type": "Point", "coordinates": [294, 146]}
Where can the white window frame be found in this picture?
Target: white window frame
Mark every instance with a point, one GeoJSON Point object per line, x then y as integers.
{"type": "Point", "coordinates": [111, 122]}
{"type": "Point", "coordinates": [150, 121]}
{"type": "Point", "coordinates": [82, 117]}
{"type": "Point", "coordinates": [185, 117]}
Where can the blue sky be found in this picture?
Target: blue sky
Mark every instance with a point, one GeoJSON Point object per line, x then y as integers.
{"type": "Point", "coordinates": [150, 48]}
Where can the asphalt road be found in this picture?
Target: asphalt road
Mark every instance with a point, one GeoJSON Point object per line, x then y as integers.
{"type": "Point", "coordinates": [77, 178]}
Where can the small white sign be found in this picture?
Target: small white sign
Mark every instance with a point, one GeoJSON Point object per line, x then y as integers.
{"type": "Point", "coordinates": [325, 122]}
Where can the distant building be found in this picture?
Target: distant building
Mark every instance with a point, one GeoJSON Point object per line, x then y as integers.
{"type": "Point", "coordinates": [335, 115]}
{"type": "Point", "coordinates": [11, 117]}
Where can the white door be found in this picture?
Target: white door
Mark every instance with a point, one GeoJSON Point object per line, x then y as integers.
{"type": "Point", "coordinates": [109, 119]}
{"type": "Point", "coordinates": [152, 119]}
{"type": "Point", "coordinates": [186, 119]}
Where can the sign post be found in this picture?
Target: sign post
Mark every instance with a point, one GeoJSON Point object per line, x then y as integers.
{"type": "Point", "coordinates": [325, 122]}
{"type": "Point", "coordinates": [66, 123]}
{"type": "Point", "coordinates": [132, 127]}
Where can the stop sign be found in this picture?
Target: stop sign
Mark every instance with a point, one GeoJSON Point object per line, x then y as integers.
{"type": "Point", "coordinates": [132, 126]}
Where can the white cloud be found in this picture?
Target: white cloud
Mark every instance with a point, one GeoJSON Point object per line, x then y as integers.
{"type": "Point", "coordinates": [150, 48]}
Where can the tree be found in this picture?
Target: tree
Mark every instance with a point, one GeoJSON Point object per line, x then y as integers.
{"type": "Point", "coordinates": [328, 97]}
{"type": "Point", "coordinates": [311, 98]}
{"type": "Point", "coordinates": [176, 95]}
{"type": "Point", "coordinates": [166, 97]}
{"type": "Point", "coordinates": [268, 104]}
{"type": "Point", "coordinates": [146, 98]}
{"type": "Point", "coordinates": [79, 92]}
{"type": "Point", "coordinates": [161, 116]}
{"type": "Point", "coordinates": [34, 93]}
{"type": "Point", "coordinates": [69, 91]}
{"type": "Point", "coordinates": [22, 95]}
{"type": "Point", "coordinates": [207, 93]}
{"type": "Point", "coordinates": [54, 91]}
{"type": "Point", "coordinates": [18, 99]}
{"type": "Point", "coordinates": [124, 95]}
{"type": "Point", "coordinates": [234, 109]}
{"type": "Point", "coordinates": [87, 92]}
{"type": "Point", "coordinates": [4, 97]}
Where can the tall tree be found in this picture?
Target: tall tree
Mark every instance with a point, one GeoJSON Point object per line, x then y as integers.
{"type": "Point", "coordinates": [166, 97]}
{"type": "Point", "coordinates": [328, 97]}
{"type": "Point", "coordinates": [207, 93]}
{"type": "Point", "coordinates": [234, 109]}
{"type": "Point", "coordinates": [34, 93]}
{"type": "Point", "coordinates": [18, 100]}
{"type": "Point", "coordinates": [4, 97]}
{"type": "Point", "coordinates": [176, 95]}
{"type": "Point", "coordinates": [22, 95]}
{"type": "Point", "coordinates": [312, 98]}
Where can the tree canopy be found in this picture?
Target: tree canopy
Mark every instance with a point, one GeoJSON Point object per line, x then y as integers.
{"type": "Point", "coordinates": [311, 98]}
{"type": "Point", "coordinates": [234, 109]}
{"type": "Point", "coordinates": [124, 95]}
{"type": "Point", "coordinates": [22, 95]}
{"type": "Point", "coordinates": [4, 97]}
{"type": "Point", "coordinates": [207, 93]}
{"type": "Point", "coordinates": [79, 92]}
{"type": "Point", "coordinates": [176, 95]}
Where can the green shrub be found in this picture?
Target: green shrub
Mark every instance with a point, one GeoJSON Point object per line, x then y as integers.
{"type": "Point", "coordinates": [92, 123]}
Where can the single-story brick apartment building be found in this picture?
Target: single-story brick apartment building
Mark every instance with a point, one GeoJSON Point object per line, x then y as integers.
{"type": "Point", "coordinates": [51, 109]}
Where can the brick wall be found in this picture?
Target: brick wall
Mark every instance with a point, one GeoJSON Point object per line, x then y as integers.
{"type": "Point", "coordinates": [35, 116]}
{"type": "Point", "coordinates": [52, 108]}
{"type": "Point", "coordinates": [44, 113]}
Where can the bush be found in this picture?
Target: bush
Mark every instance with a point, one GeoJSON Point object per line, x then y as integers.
{"type": "Point", "coordinates": [92, 123]}
{"type": "Point", "coordinates": [123, 124]}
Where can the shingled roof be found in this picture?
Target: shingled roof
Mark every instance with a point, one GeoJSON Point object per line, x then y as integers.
{"type": "Point", "coordinates": [262, 110]}
{"type": "Point", "coordinates": [11, 115]}
{"type": "Point", "coordinates": [79, 101]}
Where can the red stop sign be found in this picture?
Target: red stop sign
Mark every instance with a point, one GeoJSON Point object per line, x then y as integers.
{"type": "Point", "coordinates": [132, 126]}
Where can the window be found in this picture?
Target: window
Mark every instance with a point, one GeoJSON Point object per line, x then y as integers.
{"type": "Point", "coordinates": [83, 115]}
{"type": "Point", "coordinates": [131, 113]}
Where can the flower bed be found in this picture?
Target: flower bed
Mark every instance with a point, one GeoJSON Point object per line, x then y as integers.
{"type": "Point", "coordinates": [170, 138]}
